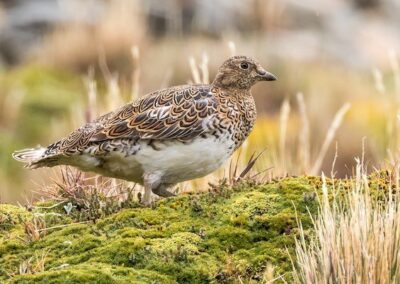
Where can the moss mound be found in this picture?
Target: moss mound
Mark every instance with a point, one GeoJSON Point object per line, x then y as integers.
{"type": "Point", "coordinates": [234, 233]}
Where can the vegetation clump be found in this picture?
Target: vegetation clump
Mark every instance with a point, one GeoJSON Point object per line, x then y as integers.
{"type": "Point", "coordinates": [194, 238]}
{"type": "Point", "coordinates": [245, 232]}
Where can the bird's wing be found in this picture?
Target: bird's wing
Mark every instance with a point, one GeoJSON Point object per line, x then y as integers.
{"type": "Point", "coordinates": [179, 113]}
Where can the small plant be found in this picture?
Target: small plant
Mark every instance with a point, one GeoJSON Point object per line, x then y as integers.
{"type": "Point", "coordinates": [89, 197]}
{"type": "Point", "coordinates": [6, 221]}
{"type": "Point", "coordinates": [34, 228]}
{"type": "Point", "coordinates": [34, 264]}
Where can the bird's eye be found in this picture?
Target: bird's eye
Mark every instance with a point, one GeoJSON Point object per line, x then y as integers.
{"type": "Point", "coordinates": [244, 65]}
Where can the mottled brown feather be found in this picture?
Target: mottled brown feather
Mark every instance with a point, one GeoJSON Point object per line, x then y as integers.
{"type": "Point", "coordinates": [180, 113]}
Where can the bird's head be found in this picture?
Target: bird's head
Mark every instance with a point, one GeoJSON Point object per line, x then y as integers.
{"type": "Point", "coordinates": [241, 72]}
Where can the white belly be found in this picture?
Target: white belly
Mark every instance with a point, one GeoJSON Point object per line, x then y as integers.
{"type": "Point", "coordinates": [179, 162]}
{"type": "Point", "coordinates": [172, 161]}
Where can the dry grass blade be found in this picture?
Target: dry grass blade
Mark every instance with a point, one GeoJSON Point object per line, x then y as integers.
{"type": "Point", "coordinates": [395, 65]}
{"type": "Point", "coordinates": [11, 107]}
{"type": "Point", "coordinates": [253, 177]}
{"type": "Point", "coordinates": [378, 78]}
{"type": "Point", "coordinates": [393, 123]}
{"type": "Point", "coordinates": [304, 134]}
{"type": "Point", "coordinates": [250, 164]}
{"type": "Point", "coordinates": [283, 122]}
{"type": "Point", "coordinates": [195, 70]}
{"type": "Point", "coordinates": [337, 121]}
{"type": "Point", "coordinates": [114, 98]}
{"type": "Point", "coordinates": [200, 74]}
{"type": "Point", "coordinates": [333, 173]}
{"type": "Point", "coordinates": [232, 48]}
{"type": "Point", "coordinates": [234, 167]}
{"type": "Point", "coordinates": [91, 110]}
{"type": "Point", "coordinates": [135, 73]}
{"type": "Point", "coordinates": [204, 69]}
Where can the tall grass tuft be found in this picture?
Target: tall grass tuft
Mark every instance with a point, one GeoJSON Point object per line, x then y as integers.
{"type": "Point", "coordinates": [357, 239]}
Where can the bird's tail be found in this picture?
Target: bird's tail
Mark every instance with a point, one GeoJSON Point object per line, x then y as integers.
{"type": "Point", "coordinates": [33, 157]}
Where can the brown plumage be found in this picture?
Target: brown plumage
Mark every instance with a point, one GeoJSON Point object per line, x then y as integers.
{"type": "Point", "coordinates": [143, 141]}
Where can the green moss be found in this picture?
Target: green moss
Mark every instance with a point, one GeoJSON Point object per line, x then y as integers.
{"type": "Point", "coordinates": [220, 236]}
{"type": "Point", "coordinates": [11, 219]}
{"type": "Point", "coordinates": [94, 273]}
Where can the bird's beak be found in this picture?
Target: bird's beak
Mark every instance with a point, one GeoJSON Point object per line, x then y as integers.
{"type": "Point", "coordinates": [264, 75]}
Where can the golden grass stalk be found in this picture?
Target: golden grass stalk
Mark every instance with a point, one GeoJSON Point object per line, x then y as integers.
{"type": "Point", "coordinates": [200, 74]}
{"type": "Point", "coordinates": [91, 86]}
{"type": "Point", "coordinates": [113, 93]}
{"type": "Point", "coordinates": [283, 122]}
{"type": "Point", "coordinates": [356, 241]}
{"type": "Point", "coordinates": [378, 78]}
{"type": "Point", "coordinates": [204, 69]}
{"type": "Point", "coordinates": [234, 176]}
{"type": "Point", "coordinates": [12, 107]}
{"type": "Point", "coordinates": [304, 134]}
{"type": "Point", "coordinates": [333, 172]}
{"type": "Point", "coordinates": [393, 123]}
{"type": "Point", "coordinates": [330, 135]}
{"type": "Point", "coordinates": [135, 73]}
{"type": "Point", "coordinates": [232, 48]}
{"type": "Point", "coordinates": [194, 70]}
{"type": "Point", "coordinates": [114, 97]}
{"type": "Point", "coordinates": [395, 66]}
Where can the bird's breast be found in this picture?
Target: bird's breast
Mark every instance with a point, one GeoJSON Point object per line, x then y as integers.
{"type": "Point", "coordinates": [240, 115]}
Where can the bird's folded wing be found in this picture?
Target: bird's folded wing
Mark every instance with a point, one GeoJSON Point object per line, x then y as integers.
{"type": "Point", "coordinates": [179, 113]}
{"type": "Point", "coordinates": [185, 120]}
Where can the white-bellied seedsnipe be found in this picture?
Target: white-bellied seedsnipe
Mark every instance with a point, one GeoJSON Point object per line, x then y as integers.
{"type": "Point", "coordinates": [168, 136]}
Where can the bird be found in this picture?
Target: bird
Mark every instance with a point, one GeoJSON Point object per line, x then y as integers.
{"type": "Point", "coordinates": [165, 137]}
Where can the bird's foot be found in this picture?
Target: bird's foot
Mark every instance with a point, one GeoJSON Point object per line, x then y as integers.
{"type": "Point", "coordinates": [146, 199]}
{"type": "Point", "coordinates": [147, 203]}
{"type": "Point", "coordinates": [162, 191]}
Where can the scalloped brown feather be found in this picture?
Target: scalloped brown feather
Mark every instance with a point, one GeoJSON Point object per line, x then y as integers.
{"type": "Point", "coordinates": [181, 113]}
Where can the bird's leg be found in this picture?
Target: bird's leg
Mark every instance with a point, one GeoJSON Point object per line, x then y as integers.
{"type": "Point", "coordinates": [146, 199]}
{"type": "Point", "coordinates": [151, 180]}
{"type": "Point", "coordinates": [162, 191]}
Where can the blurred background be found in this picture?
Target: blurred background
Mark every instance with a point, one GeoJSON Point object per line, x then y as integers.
{"type": "Point", "coordinates": [64, 62]}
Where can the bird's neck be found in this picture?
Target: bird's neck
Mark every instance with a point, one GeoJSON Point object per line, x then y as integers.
{"type": "Point", "coordinates": [243, 99]}
{"type": "Point", "coordinates": [232, 92]}
{"type": "Point", "coordinates": [230, 83]}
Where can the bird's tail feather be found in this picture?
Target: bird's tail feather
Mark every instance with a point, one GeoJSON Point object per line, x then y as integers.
{"type": "Point", "coordinates": [32, 157]}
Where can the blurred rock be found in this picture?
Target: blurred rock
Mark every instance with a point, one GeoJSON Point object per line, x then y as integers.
{"type": "Point", "coordinates": [356, 32]}
{"type": "Point", "coordinates": [25, 23]}
{"type": "Point", "coordinates": [340, 31]}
